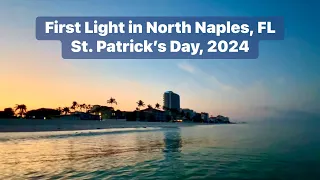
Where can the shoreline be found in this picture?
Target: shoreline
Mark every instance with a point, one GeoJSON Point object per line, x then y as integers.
{"type": "Point", "coordinates": [27, 125]}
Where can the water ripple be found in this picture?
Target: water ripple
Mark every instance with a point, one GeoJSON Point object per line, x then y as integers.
{"type": "Point", "coordinates": [185, 153]}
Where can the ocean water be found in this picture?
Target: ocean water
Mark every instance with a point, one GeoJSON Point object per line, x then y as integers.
{"type": "Point", "coordinates": [240, 151]}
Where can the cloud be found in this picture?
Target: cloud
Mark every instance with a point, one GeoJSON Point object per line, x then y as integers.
{"type": "Point", "coordinates": [214, 80]}
{"type": "Point", "coordinates": [218, 97]}
{"type": "Point", "coordinates": [280, 97]}
{"type": "Point", "coordinates": [249, 100]}
{"type": "Point", "coordinates": [204, 78]}
{"type": "Point", "coordinates": [187, 67]}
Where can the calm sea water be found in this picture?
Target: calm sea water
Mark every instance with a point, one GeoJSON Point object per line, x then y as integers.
{"type": "Point", "coordinates": [241, 151]}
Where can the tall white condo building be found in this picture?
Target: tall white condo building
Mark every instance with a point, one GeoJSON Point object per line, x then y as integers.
{"type": "Point", "coordinates": [171, 100]}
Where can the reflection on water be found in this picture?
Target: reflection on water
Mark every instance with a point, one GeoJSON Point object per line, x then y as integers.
{"type": "Point", "coordinates": [45, 157]}
{"type": "Point", "coordinates": [172, 153]}
{"type": "Point", "coordinates": [63, 156]}
{"type": "Point", "coordinates": [220, 152]}
{"type": "Point", "coordinates": [172, 141]}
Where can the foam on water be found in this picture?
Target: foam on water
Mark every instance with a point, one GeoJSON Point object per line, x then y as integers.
{"type": "Point", "coordinates": [7, 136]}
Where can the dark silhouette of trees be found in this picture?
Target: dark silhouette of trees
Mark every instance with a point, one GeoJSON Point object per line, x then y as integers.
{"type": "Point", "coordinates": [112, 101]}
{"type": "Point", "coordinates": [74, 106]}
{"type": "Point", "coordinates": [7, 113]}
{"type": "Point", "coordinates": [197, 118]}
{"type": "Point", "coordinates": [141, 116]}
{"type": "Point", "coordinates": [165, 108]}
{"type": "Point", "coordinates": [96, 110]}
{"type": "Point", "coordinates": [83, 107]}
{"type": "Point", "coordinates": [42, 113]}
{"type": "Point", "coordinates": [174, 112]}
{"type": "Point", "coordinates": [59, 109]}
{"type": "Point", "coordinates": [21, 108]}
{"type": "Point", "coordinates": [157, 106]}
{"type": "Point", "coordinates": [66, 110]}
{"type": "Point", "coordinates": [118, 114]}
{"type": "Point", "coordinates": [104, 111]}
{"type": "Point", "coordinates": [188, 116]}
{"type": "Point", "coordinates": [89, 107]}
{"type": "Point", "coordinates": [182, 114]}
{"type": "Point", "coordinates": [140, 104]}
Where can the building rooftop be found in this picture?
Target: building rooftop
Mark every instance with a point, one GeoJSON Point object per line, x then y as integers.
{"type": "Point", "coordinates": [151, 109]}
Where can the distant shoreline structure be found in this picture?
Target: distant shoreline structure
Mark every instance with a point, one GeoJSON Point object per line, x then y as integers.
{"type": "Point", "coordinates": [39, 125]}
{"type": "Point", "coordinates": [78, 112]}
{"type": "Point", "coordinates": [44, 119]}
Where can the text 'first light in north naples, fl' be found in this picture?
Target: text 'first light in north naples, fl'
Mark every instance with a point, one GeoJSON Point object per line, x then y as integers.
{"type": "Point", "coordinates": [160, 37]}
{"type": "Point", "coordinates": [153, 27]}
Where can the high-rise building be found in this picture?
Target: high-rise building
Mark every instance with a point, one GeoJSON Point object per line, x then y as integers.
{"type": "Point", "coordinates": [171, 100]}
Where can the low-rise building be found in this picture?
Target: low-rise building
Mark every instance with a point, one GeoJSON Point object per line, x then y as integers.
{"type": "Point", "coordinates": [188, 112]}
{"type": "Point", "coordinates": [154, 114]}
{"type": "Point", "coordinates": [204, 116]}
{"type": "Point", "coordinates": [104, 111]}
{"type": "Point", "coordinates": [87, 116]}
{"type": "Point", "coordinates": [219, 119]}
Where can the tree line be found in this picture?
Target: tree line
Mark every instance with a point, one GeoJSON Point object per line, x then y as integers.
{"type": "Point", "coordinates": [20, 110]}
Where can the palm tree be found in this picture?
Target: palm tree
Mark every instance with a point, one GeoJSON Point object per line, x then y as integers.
{"type": "Point", "coordinates": [140, 104]}
{"type": "Point", "coordinates": [150, 107]}
{"type": "Point", "coordinates": [74, 105]}
{"type": "Point", "coordinates": [157, 106]}
{"type": "Point", "coordinates": [112, 101]}
{"type": "Point", "coordinates": [89, 107]}
{"type": "Point", "coordinates": [66, 110]}
{"type": "Point", "coordinates": [82, 106]}
{"type": "Point", "coordinates": [21, 108]}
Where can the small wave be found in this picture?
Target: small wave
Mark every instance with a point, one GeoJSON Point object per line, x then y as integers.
{"type": "Point", "coordinates": [66, 134]}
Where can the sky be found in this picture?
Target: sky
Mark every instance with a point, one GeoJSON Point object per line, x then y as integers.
{"type": "Point", "coordinates": [283, 81]}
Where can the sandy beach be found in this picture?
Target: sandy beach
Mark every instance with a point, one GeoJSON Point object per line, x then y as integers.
{"type": "Point", "coordinates": [30, 125]}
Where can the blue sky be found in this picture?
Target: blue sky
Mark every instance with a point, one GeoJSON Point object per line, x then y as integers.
{"type": "Point", "coordinates": [285, 78]}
